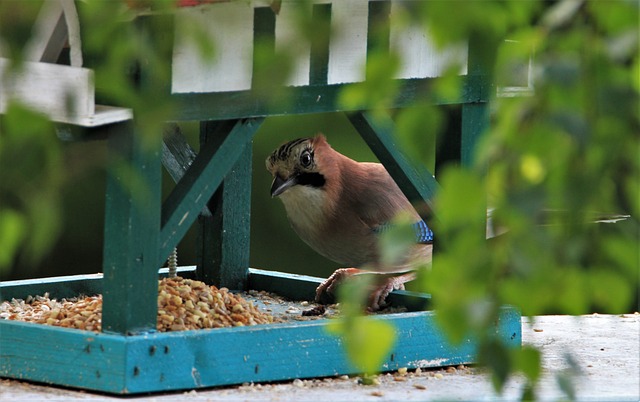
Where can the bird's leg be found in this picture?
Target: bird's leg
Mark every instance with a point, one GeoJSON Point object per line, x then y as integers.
{"type": "Point", "coordinates": [377, 298]}
{"type": "Point", "coordinates": [327, 288]}
{"type": "Point", "coordinates": [385, 283]}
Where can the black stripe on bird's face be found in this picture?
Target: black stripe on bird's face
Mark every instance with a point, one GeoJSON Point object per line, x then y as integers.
{"type": "Point", "coordinates": [284, 151]}
{"type": "Point", "coordinates": [312, 179]}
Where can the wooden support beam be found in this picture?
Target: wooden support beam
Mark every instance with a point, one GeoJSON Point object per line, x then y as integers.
{"type": "Point", "coordinates": [132, 223]}
{"type": "Point", "coordinates": [223, 236]}
{"type": "Point", "coordinates": [200, 181]}
{"type": "Point", "coordinates": [417, 183]}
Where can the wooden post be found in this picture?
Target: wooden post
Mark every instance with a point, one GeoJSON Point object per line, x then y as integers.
{"type": "Point", "coordinates": [223, 235]}
{"type": "Point", "coordinates": [132, 224]}
{"type": "Point", "coordinates": [475, 114]}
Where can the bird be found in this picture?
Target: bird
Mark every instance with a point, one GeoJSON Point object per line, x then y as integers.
{"type": "Point", "coordinates": [339, 207]}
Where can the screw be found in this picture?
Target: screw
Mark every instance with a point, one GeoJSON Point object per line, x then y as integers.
{"type": "Point", "coordinates": [173, 263]}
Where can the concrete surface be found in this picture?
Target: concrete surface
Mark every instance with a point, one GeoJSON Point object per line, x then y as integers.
{"type": "Point", "coordinates": [605, 348]}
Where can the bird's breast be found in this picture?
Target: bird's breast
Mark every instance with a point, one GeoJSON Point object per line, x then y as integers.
{"type": "Point", "coordinates": [334, 234]}
{"type": "Point", "coordinates": [305, 206]}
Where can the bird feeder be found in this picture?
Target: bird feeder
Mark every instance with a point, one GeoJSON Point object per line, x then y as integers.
{"type": "Point", "coordinates": [129, 356]}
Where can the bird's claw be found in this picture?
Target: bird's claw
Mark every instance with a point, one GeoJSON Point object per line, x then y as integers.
{"type": "Point", "coordinates": [325, 292]}
{"type": "Point", "coordinates": [378, 297]}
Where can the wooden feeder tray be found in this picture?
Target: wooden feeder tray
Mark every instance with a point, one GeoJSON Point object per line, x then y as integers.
{"type": "Point", "coordinates": [167, 361]}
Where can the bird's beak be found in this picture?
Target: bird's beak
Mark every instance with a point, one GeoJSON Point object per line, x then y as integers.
{"type": "Point", "coordinates": [281, 185]}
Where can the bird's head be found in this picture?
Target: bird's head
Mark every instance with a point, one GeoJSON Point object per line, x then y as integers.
{"type": "Point", "coordinates": [296, 163]}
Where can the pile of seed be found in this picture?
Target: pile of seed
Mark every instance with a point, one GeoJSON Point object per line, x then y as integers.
{"type": "Point", "coordinates": [81, 313]}
{"type": "Point", "coordinates": [183, 304]}
{"type": "Point", "coordinates": [188, 304]}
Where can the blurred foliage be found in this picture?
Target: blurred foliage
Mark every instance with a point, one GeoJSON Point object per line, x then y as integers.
{"type": "Point", "coordinates": [551, 162]}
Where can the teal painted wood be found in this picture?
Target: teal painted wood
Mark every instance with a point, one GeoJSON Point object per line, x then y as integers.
{"type": "Point", "coordinates": [414, 180]}
{"type": "Point", "coordinates": [475, 120]}
{"type": "Point", "coordinates": [62, 356]}
{"type": "Point", "coordinates": [57, 287]}
{"type": "Point", "coordinates": [194, 359]}
{"type": "Point", "coordinates": [68, 286]}
{"type": "Point", "coordinates": [292, 286]}
{"type": "Point", "coordinates": [475, 113]}
{"type": "Point", "coordinates": [224, 236]}
{"type": "Point", "coordinates": [297, 100]}
{"type": "Point", "coordinates": [319, 54]}
{"type": "Point", "coordinates": [379, 24]}
{"type": "Point", "coordinates": [303, 287]}
{"type": "Point", "coordinates": [207, 172]}
{"type": "Point", "coordinates": [132, 223]}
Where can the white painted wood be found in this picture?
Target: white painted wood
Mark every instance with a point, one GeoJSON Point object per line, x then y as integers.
{"type": "Point", "coordinates": [348, 46]}
{"type": "Point", "coordinates": [230, 27]}
{"type": "Point", "coordinates": [103, 115]}
{"type": "Point", "coordinates": [49, 34]}
{"type": "Point", "coordinates": [73, 32]}
{"type": "Point", "coordinates": [64, 93]}
{"type": "Point", "coordinates": [419, 56]}
{"type": "Point", "coordinates": [59, 91]}
{"type": "Point", "coordinates": [57, 24]}
{"type": "Point", "coordinates": [289, 41]}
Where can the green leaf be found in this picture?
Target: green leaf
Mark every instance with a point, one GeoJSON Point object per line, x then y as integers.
{"type": "Point", "coordinates": [396, 240]}
{"type": "Point", "coordinates": [12, 233]}
{"type": "Point", "coordinates": [367, 341]}
{"type": "Point", "coordinates": [528, 360]}
{"type": "Point", "coordinates": [494, 355]}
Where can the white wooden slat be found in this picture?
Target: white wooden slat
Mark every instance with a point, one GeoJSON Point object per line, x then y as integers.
{"type": "Point", "coordinates": [230, 27]}
{"type": "Point", "coordinates": [289, 41]}
{"type": "Point", "coordinates": [419, 55]}
{"type": "Point", "coordinates": [73, 32]}
{"type": "Point", "coordinates": [64, 93]}
{"type": "Point", "coordinates": [59, 91]}
{"type": "Point", "coordinates": [49, 34]}
{"type": "Point", "coordinates": [348, 46]}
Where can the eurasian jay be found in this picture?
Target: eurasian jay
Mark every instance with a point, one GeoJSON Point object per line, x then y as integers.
{"type": "Point", "coordinates": [338, 207]}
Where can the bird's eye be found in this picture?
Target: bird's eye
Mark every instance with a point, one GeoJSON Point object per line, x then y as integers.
{"type": "Point", "coordinates": [305, 159]}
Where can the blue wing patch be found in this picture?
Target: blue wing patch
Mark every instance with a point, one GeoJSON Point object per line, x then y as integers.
{"type": "Point", "coordinates": [424, 235]}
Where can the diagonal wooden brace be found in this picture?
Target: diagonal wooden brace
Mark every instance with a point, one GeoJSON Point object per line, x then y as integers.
{"type": "Point", "coordinates": [201, 180]}
{"type": "Point", "coordinates": [417, 182]}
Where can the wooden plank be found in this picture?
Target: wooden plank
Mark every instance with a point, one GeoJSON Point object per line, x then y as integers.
{"type": "Point", "coordinates": [303, 287]}
{"type": "Point", "coordinates": [475, 115]}
{"type": "Point", "coordinates": [49, 34]}
{"type": "Point", "coordinates": [289, 41]}
{"type": "Point", "coordinates": [203, 358]}
{"type": "Point", "coordinates": [320, 44]}
{"type": "Point", "coordinates": [292, 286]}
{"type": "Point", "coordinates": [103, 115]}
{"type": "Point", "coordinates": [177, 154]}
{"type": "Point", "coordinates": [348, 45]}
{"type": "Point", "coordinates": [224, 235]}
{"type": "Point", "coordinates": [417, 183]}
{"type": "Point", "coordinates": [420, 56]}
{"type": "Point", "coordinates": [65, 94]}
{"type": "Point", "coordinates": [57, 287]}
{"type": "Point", "coordinates": [307, 99]}
{"type": "Point", "coordinates": [68, 285]}
{"type": "Point", "coordinates": [229, 26]}
{"type": "Point", "coordinates": [378, 27]}
{"type": "Point", "coordinates": [199, 183]}
{"type": "Point", "coordinates": [62, 356]}
{"type": "Point", "coordinates": [132, 223]}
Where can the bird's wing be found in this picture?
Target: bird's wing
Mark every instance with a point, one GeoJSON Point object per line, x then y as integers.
{"type": "Point", "coordinates": [378, 199]}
